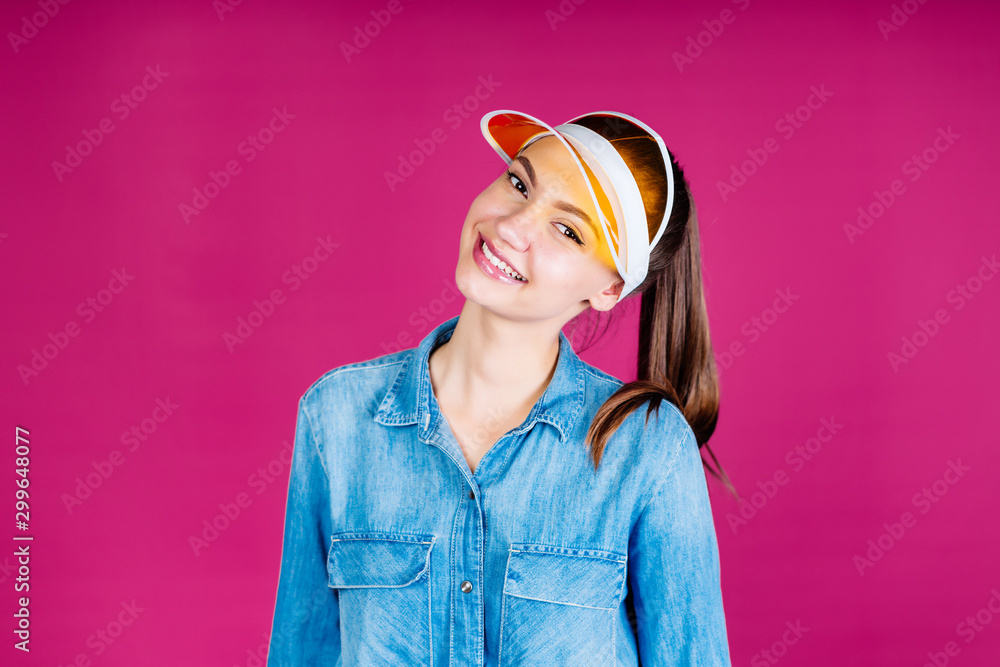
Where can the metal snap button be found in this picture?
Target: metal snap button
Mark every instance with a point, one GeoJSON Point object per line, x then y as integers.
{"type": "Point", "coordinates": [466, 586]}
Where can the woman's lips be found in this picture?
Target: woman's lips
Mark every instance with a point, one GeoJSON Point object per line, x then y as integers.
{"type": "Point", "coordinates": [487, 266]}
{"type": "Point", "coordinates": [499, 255]}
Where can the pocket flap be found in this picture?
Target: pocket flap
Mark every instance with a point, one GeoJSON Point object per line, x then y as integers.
{"type": "Point", "coordinates": [582, 577]}
{"type": "Point", "coordinates": [377, 560]}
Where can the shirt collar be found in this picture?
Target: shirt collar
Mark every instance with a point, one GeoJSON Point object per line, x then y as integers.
{"type": "Point", "coordinates": [409, 398]}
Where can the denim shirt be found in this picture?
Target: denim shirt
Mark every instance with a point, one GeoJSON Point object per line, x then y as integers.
{"type": "Point", "coordinates": [395, 553]}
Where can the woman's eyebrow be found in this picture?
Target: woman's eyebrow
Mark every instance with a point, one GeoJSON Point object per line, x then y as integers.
{"type": "Point", "coordinates": [565, 206]}
{"type": "Point", "coordinates": [528, 168]}
{"type": "Point", "coordinates": [569, 208]}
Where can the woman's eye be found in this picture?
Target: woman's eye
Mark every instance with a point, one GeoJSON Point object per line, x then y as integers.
{"type": "Point", "coordinates": [572, 234]}
{"type": "Point", "coordinates": [511, 175]}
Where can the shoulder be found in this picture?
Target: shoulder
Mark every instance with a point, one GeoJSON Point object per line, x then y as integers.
{"type": "Point", "coordinates": [659, 441]}
{"type": "Point", "coordinates": [671, 458]}
{"type": "Point", "coordinates": [354, 381]}
{"type": "Point", "coordinates": [671, 437]}
{"type": "Point", "coordinates": [662, 435]}
{"type": "Point", "coordinates": [665, 431]}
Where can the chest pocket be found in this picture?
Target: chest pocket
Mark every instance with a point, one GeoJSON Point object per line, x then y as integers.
{"type": "Point", "coordinates": [383, 590]}
{"type": "Point", "coordinates": [560, 605]}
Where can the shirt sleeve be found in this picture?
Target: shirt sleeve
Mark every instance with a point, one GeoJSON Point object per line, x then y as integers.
{"type": "Point", "coordinates": [306, 625]}
{"type": "Point", "coordinates": [673, 566]}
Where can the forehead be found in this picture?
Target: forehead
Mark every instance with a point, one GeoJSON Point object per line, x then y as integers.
{"type": "Point", "coordinates": [554, 167]}
{"type": "Point", "coordinates": [550, 148]}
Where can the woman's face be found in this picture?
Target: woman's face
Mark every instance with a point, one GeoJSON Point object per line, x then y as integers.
{"type": "Point", "coordinates": [564, 264]}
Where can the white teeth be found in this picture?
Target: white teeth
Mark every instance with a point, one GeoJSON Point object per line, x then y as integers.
{"type": "Point", "coordinates": [501, 265]}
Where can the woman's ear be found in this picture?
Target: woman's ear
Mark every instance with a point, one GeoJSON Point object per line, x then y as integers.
{"type": "Point", "coordinates": [607, 297]}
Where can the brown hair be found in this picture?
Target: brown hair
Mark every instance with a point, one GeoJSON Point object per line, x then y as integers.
{"type": "Point", "coordinates": [675, 360]}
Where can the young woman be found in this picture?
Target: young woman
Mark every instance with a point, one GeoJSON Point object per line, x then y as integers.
{"type": "Point", "coordinates": [488, 498]}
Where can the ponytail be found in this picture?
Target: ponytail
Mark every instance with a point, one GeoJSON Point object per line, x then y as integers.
{"type": "Point", "coordinates": [675, 360]}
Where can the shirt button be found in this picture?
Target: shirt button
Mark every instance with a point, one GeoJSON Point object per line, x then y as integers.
{"type": "Point", "coordinates": [472, 494]}
{"type": "Point", "coordinates": [466, 586]}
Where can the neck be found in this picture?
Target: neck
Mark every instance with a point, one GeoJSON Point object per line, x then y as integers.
{"type": "Point", "coordinates": [493, 362]}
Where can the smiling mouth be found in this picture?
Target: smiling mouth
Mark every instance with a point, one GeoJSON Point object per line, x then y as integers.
{"type": "Point", "coordinates": [500, 264]}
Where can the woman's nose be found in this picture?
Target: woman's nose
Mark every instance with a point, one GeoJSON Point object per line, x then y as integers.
{"type": "Point", "coordinates": [519, 228]}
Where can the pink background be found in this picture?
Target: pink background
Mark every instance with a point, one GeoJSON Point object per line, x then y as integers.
{"type": "Point", "coordinates": [388, 279]}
